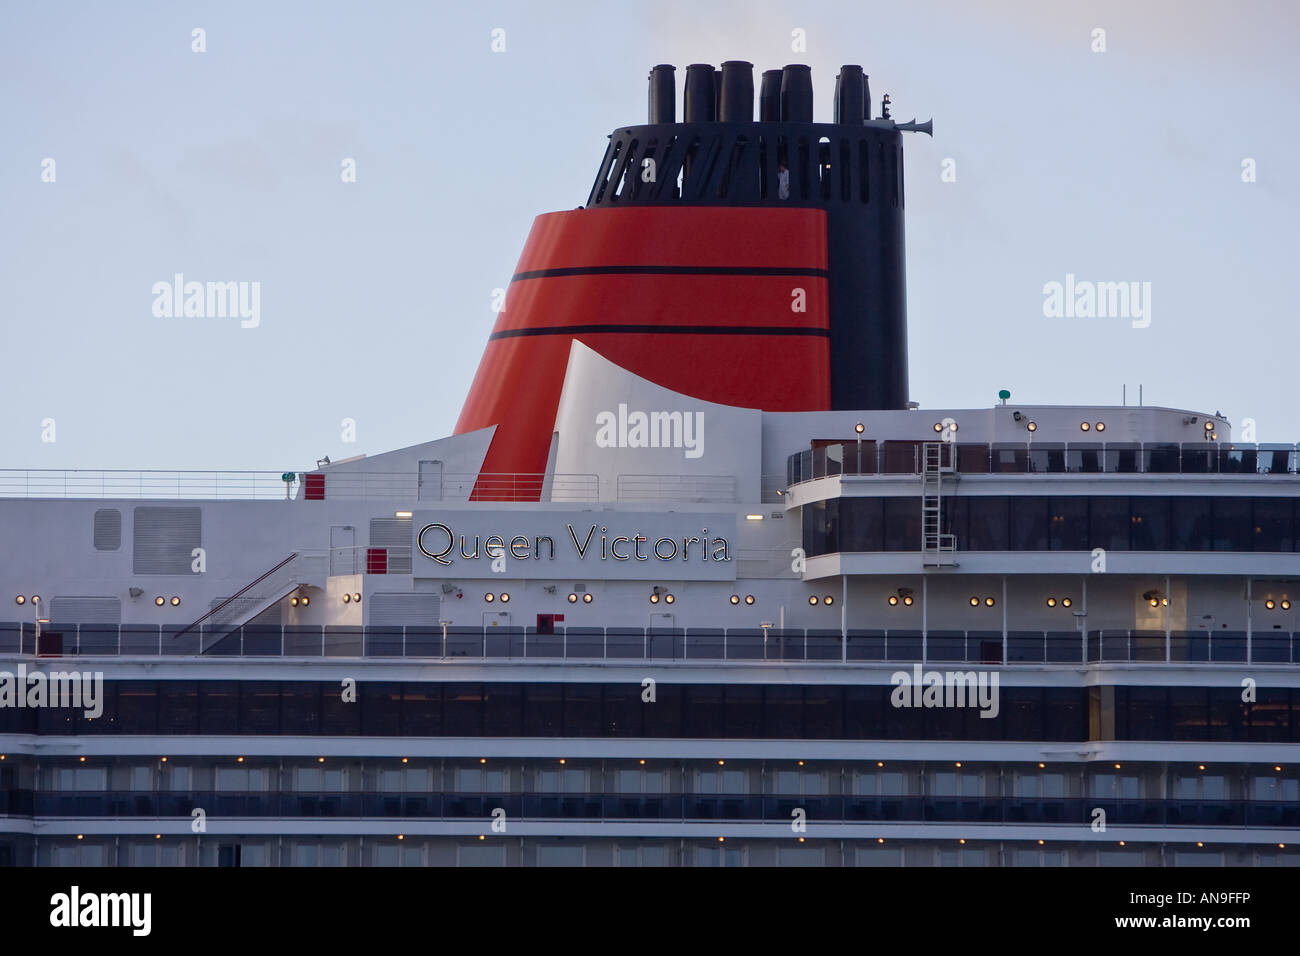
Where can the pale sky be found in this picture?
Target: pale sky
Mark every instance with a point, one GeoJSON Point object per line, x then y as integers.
{"type": "Point", "coordinates": [376, 295]}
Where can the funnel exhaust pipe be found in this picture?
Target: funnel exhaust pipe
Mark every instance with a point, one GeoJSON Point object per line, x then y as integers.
{"type": "Point", "coordinates": [663, 94]}
{"type": "Point", "coordinates": [736, 104]}
{"type": "Point", "coordinates": [796, 94]}
{"type": "Point", "coordinates": [699, 102]}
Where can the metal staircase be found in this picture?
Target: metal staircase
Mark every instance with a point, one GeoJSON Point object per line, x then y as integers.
{"type": "Point", "coordinates": [937, 548]}
{"type": "Point", "coordinates": [256, 596]}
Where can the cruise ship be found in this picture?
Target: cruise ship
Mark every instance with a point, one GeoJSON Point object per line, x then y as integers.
{"type": "Point", "coordinates": [695, 582]}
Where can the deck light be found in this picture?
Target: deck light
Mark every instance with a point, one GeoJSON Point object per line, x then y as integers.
{"type": "Point", "coordinates": [305, 600]}
{"type": "Point", "coordinates": [1269, 604]}
{"type": "Point", "coordinates": [1032, 426]}
{"type": "Point", "coordinates": [482, 759]}
{"type": "Point", "coordinates": [347, 598]}
{"type": "Point", "coordinates": [401, 514]}
{"type": "Point", "coordinates": [749, 599]}
{"type": "Point", "coordinates": [505, 597]}
{"type": "Point", "coordinates": [489, 597]}
{"type": "Point", "coordinates": [159, 600]}
{"type": "Point", "coordinates": [1051, 602]}
{"type": "Point", "coordinates": [893, 600]}
{"type": "Point", "coordinates": [859, 428]}
{"type": "Point", "coordinates": [989, 601]}
{"type": "Point", "coordinates": [735, 599]}
{"type": "Point", "coordinates": [753, 517]}
{"type": "Point", "coordinates": [669, 599]}
{"type": "Point", "coordinates": [974, 602]}
{"type": "Point", "coordinates": [1286, 605]}
{"type": "Point", "coordinates": [1101, 426]}
{"type": "Point", "coordinates": [907, 599]}
{"type": "Point", "coordinates": [1041, 765]}
{"type": "Point", "coordinates": [1084, 426]}
{"type": "Point", "coordinates": [176, 602]}
{"type": "Point", "coordinates": [587, 598]}
{"type": "Point", "coordinates": [938, 426]}
{"type": "Point", "coordinates": [1066, 602]}
{"type": "Point", "coordinates": [573, 598]}
{"type": "Point", "coordinates": [356, 597]}
{"type": "Point", "coordinates": [828, 600]}
{"type": "Point", "coordinates": [19, 599]}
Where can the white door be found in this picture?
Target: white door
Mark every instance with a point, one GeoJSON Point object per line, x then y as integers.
{"type": "Point", "coordinates": [430, 487]}
{"type": "Point", "coordinates": [661, 620]}
{"type": "Point", "coordinates": [343, 552]}
{"type": "Point", "coordinates": [496, 618]}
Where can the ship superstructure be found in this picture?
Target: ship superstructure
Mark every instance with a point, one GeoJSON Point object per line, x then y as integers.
{"type": "Point", "coordinates": [694, 582]}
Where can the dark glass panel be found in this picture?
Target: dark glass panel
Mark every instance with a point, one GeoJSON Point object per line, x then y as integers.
{"type": "Point", "coordinates": [422, 709]}
{"type": "Point", "coordinates": [1274, 526]}
{"type": "Point", "coordinates": [299, 708]}
{"type": "Point", "coordinates": [178, 707]}
{"type": "Point", "coordinates": [902, 524]}
{"type": "Point", "coordinates": [623, 710]}
{"type": "Point", "coordinates": [1192, 523]}
{"type": "Point", "coordinates": [663, 717]}
{"type": "Point", "coordinates": [1009, 458]}
{"type": "Point", "coordinates": [823, 712]}
{"type": "Point", "coordinates": [1233, 527]}
{"type": "Point", "coordinates": [1189, 713]}
{"type": "Point", "coordinates": [503, 712]}
{"type": "Point", "coordinates": [381, 708]}
{"type": "Point", "coordinates": [543, 710]}
{"type": "Point", "coordinates": [702, 711]}
{"type": "Point", "coordinates": [1149, 523]}
{"type": "Point", "coordinates": [1029, 523]}
{"type": "Point", "coordinates": [743, 711]}
{"type": "Point", "coordinates": [1068, 522]}
{"type": "Point", "coordinates": [862, 524]}
{"type": "Point", "coordinates": [990, 522]}
{"type": "Point", "coordinates": [218, 708]}
{"type": "Point", "coordinates": [1108, 522]}
{"type": "Point", "coordinates": [137, 707]}
{"type": "Point", "coordinates": [582, 710]}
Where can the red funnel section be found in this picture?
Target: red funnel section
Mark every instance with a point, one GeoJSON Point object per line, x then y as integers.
{"type": "Point", "coordinates": [703, 300]}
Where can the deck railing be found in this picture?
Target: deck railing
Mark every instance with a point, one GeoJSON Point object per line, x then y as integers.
{"type": "Point", "coordinates": [732, 645]}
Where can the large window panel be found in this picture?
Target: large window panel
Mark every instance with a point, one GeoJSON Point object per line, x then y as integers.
{"type": "Point", "coordinates": [1192, 523]}
{"type": "Point", "coordinates": [1274, 528]}
{"type": "Point", "coordinates": [902, 524]}
{"type": "Point", "coordinates": [1108, 522]}
{"type": "Point", "coordinates": [1029, 523]}
{"type": "Point", "coordinates": [1149, 523]}
{"type": "Point", "coordinates": [1068, 522]}
{"type": "Point", "coordinates": [990, 523]}
{"type": "Point", "coordinates": [1233, 528]}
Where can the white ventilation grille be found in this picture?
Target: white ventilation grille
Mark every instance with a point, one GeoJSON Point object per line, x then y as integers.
{"type": "Point", "coordinates": [393, 534]}
{"type": "Point", "coordinates": [108, 529]}
{"type": "Point", "coordinates": [86, 610]}
{"type": "Point", "coordinates": [164, 539]}
{"type": "Point", "coordinates": [404, 610]}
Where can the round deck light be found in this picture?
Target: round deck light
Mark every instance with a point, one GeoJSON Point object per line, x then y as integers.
{"type": "Point", "coordinates": [20, 599]}
{"type": "Point", "coordinates": [1032, 426]}
{"type": "Point", "coordinates": [988, 601]}
{"type": "Point", "coordinates": [356, 597]}
{"type": "Point", "coordinates": [749, 599]}
{"type": "Point", "coordinates": [347, 598]}
{"type": "Point", "coordinates": [505, 597]}
{"type": "Point", "coordinates": [735, 599]}
{"type": "Point", "coordinates": [938, 426]}
{"type": "Point", "coordinates": [587, 598]}
{"type": "Point", "coordinates": [159, 600]}
{"type": "Point", "coordinates": [669, 599]}
{"type": "Point", "coordinates": [1269, 604]}
{"type": "Point", "coordinates": [654, 598]}
{"type": "Point", "coordinates": [907, 599]}
{"type": "Point", "coordinates": [893, 600]}
{"type": "Point", "coordinates": [1066, 602]}
{"type": "Point", "coordinates": [974, 602]}
{"type": "Point", "coordinates": [573, 598]}
{"type": "Point", "coordinates": [859, 428]}
{"type": "Point", "coordinates": [305, 600]}
{"type": "Point", "coordinates": [828, 600]}
{"type": "Point", "coordinates": [1286, 605]}
{"type": "Point", "coordinates": [1101, 426]}
{"type": "Point", "coordinates": [1051, 602]}
{"type": "Point", "coordinates": [489, 597]}
{"type": "Point", "coordinates": [1084, 426]}
{"type": "Point", "coordinates": [176, 602]}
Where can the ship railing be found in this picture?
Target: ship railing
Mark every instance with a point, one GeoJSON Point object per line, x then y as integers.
{"type": "Point", "coordinates": [699, 488]}
{"type": "Point", "coordinates": [739, 645]}
{"type": "Point", "coordinates": [897, 458]}
{"type": "Point", "coordinates": [773, 808]}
